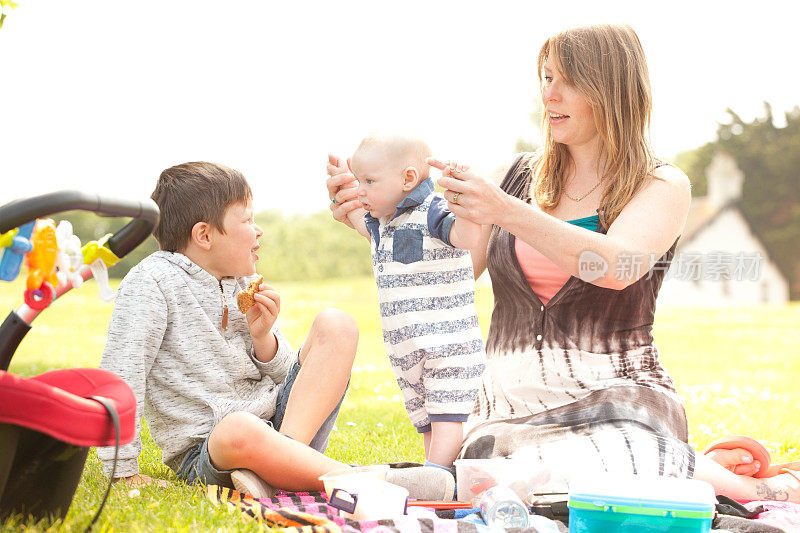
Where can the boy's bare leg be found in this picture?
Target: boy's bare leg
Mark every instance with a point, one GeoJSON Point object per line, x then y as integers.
{"type": "Point", "coordinates": [445, 442]}
{"type": "Point", "coordinates": [326, 360]}
{"type": "Point", "coordinates": [242, 440]}
{"type": "Point", "coordinates": [783, 487]}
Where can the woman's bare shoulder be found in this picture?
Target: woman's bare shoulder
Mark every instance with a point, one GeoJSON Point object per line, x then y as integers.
{"type": "Point", "coordinates": [673, 176]}
{"type": "Point", "coordinates": [670, 188]}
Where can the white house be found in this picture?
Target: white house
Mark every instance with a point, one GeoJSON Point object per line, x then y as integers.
{"type": "Point", "coordinates": [720, 259]}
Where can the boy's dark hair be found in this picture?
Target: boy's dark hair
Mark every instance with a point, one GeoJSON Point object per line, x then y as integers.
{"type": "Point", "coordinates": [195, 192]}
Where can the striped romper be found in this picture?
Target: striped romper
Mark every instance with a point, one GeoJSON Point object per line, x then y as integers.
{"type": "Point", "coordinates": [426, 291]}
{"type": "Point", "coordinates": [575, 383]}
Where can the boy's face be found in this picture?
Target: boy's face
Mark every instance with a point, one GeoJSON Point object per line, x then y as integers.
{"type": "Point", "coordinates": [233, 253]}
{"type": "Point", "coordinates": [381, 184]}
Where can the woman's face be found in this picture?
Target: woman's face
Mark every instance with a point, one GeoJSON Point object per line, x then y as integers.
{"type": "Point", "coordinates": [569, 112]}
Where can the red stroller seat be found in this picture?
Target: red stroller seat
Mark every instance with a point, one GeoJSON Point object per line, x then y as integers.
{"type": "Point", "coordinates": [56, 403]}
{"type": "Point", "coordinates": [48, 422]}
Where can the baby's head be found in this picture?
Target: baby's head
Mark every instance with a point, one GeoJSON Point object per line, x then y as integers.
{"type": "Point", "coordinates": [388, 167]}
{"type": "Point", "coordinates": [207, 214]}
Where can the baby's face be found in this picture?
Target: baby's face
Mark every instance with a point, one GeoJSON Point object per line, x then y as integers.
{"type": "Point", "coordinates": [380, 182]}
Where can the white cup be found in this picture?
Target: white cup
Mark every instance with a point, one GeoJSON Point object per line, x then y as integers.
{"type": "Point", "coordinates": [331, 479]}
{"type": "Point", "coordinates": [366, 498]}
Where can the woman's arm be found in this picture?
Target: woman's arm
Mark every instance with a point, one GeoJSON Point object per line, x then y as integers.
{"type": "Point", "coordinates": [479, 252]}
{"type": "Point", "coordinates": [643, 232]}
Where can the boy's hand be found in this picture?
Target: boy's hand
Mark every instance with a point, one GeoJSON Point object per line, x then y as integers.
{"type": "Point", "coordinates": [140, 480]}
{"type": "Point", "coordinates": [262, 316]}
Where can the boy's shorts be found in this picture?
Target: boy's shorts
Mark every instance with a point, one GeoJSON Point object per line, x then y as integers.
{"type": "Point", "coordinates": [196, 466]}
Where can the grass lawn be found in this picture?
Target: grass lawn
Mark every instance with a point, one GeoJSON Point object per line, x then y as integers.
{"type": "Point", "coordinates": [736, 369]}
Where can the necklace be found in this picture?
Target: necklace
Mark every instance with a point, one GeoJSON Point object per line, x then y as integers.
{"type": "Point", "coordinates": [579, 198]}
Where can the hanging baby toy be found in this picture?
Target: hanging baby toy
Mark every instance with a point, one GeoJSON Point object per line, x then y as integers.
{"type": "Point", "coordinates": [69, 259]}
{"type": "Point", "coordinates": [97, 255]}
{"type": "Point", "coordinates": [41, 262]}
{"type": "Point", "coordinates": [54, 258]}
{"type": "Point", "coordinates": [17, 243]}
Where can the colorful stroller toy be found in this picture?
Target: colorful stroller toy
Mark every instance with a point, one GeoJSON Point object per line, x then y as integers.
{"type": "Point", "coordinates": [49, 421]}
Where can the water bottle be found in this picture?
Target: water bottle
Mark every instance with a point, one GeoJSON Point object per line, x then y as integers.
{"type": "Point", "coordinates": [502, 508]}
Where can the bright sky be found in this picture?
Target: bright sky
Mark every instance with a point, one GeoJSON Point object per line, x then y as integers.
{"type": "Point", "coordinates": [102, 95]}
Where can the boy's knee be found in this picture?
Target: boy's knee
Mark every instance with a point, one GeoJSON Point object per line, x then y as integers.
{"type": "Point", "coordinates": [235, 436]}
{"type": "Point", "coordinates": [335, 324]}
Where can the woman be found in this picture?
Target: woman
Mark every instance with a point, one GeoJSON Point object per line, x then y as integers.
{"type": "Point", "coordinates": [577, 240]}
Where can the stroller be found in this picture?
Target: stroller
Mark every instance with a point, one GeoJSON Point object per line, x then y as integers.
{"type": "Point", "coordinates": [49, 421]}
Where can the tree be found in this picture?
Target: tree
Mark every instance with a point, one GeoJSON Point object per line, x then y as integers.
{"type": "Point", "coordinates": [91, 227]}
{"type": "Point", "coordinates": [304, 247]}
{"type": "Point", "coordinates": [769, 157]}
{"type": "Point", "coordinates": [295, 247]}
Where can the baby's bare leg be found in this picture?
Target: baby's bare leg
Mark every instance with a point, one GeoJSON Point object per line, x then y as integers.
{"type": "Point", "coordinates": [782, 487]}
{"type": "Point", "coordinates": [326, 360]}
{"type": "Point", "coordinates": [445, 442]}
{"type": "Point", "coordinates": [242, 440]}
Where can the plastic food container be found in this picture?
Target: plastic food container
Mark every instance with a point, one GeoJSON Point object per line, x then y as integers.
{"type": "Point", "coordinates": [524, 476]}
{"type": "Point", "coordinates": [610, 503]}
{"type": "Point", "coordinates": [476, 476]}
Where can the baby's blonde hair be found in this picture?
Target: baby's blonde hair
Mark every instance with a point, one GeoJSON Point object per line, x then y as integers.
{"type": "Point", "coordinates": [402, 150]}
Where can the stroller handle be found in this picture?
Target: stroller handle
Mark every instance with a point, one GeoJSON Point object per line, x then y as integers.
{"type": "Point", "coordinates": [144, 213]}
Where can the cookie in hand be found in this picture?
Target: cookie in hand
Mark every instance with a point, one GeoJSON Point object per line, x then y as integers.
{"type": "Point", "coordinates": [245, 299]}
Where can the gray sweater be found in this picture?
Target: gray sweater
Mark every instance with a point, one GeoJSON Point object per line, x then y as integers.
{"type": "Point", "coordinates": [166, 340]}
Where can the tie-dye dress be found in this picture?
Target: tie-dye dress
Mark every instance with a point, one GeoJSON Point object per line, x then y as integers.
{"type": "Point", "coordinates": [577, 380]}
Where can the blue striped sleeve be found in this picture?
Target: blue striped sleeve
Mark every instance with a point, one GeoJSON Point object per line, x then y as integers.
{"type": "Point", "coordinates": [440, 220]}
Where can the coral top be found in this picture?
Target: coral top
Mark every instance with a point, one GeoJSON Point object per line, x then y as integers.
{"type": "Point", "coordinates": [544, 276]}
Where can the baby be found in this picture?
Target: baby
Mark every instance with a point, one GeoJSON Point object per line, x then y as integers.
{"type": "Point", "coordinates": [426, 288]}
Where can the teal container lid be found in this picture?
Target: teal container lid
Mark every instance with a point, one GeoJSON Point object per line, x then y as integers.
{"type": "Point", "coordinates": [668, 497]}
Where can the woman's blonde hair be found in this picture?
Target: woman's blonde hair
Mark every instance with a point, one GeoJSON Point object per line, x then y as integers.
{"type": "Point", "coordinates": [606, 64]}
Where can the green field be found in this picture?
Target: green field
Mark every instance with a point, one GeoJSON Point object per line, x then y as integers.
{"type": "Point", "coordinates": [736, 369]}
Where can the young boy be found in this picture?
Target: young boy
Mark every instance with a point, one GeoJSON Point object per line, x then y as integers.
{"type": "Point", "coordinates": [426, 287]}
{"type": "Point", "coordinates": [227, 399]}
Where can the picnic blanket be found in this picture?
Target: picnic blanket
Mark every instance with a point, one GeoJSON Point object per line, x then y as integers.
{"type": "Point", "coordinates": [782, 515]}
{"type": "Point", "coordinates": [309, 512]}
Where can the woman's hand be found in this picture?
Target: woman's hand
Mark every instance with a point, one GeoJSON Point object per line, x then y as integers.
{"type": "Point", "coordinates": [471, 196]}
{"type": "Point", "coordinates": [738, 460]}
{"type": "Point", "coordinates": [342, 189]}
